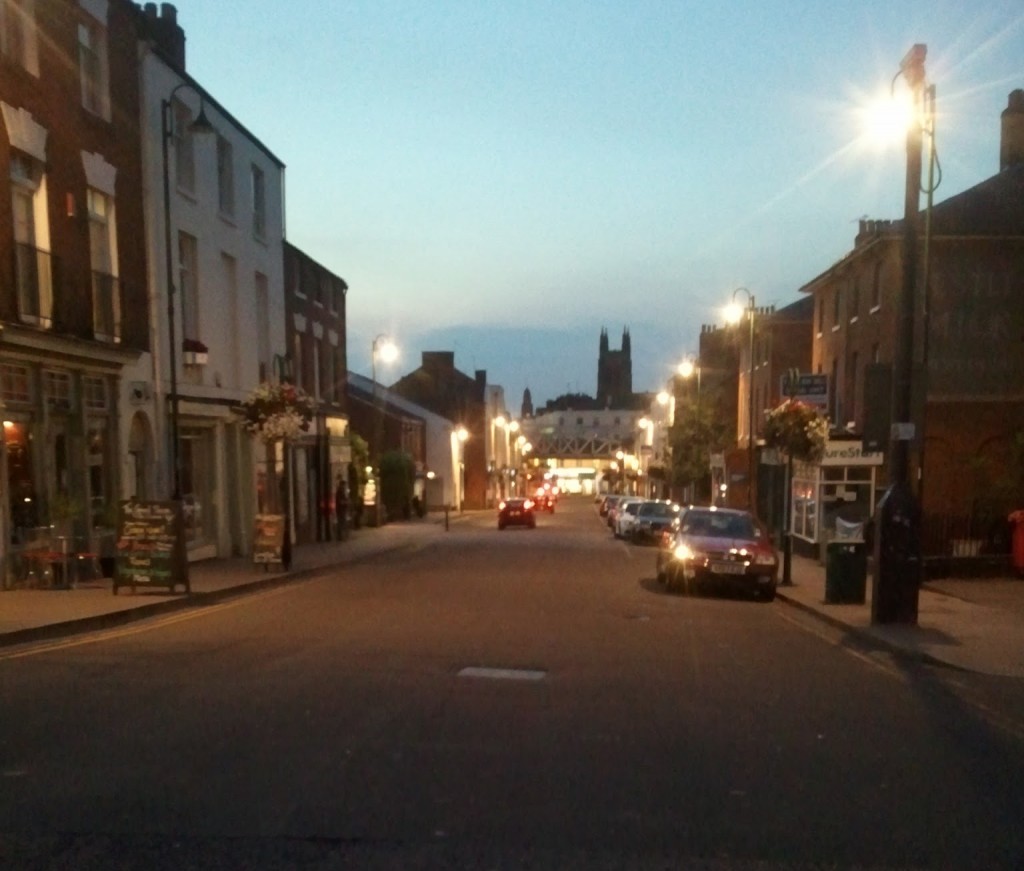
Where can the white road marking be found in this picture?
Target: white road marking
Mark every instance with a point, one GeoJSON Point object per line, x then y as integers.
{"type": "Point", "coordinates": [502, 673]}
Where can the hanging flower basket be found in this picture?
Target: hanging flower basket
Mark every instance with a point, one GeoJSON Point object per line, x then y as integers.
{"type": "Point", "coordinates": [797, 429]}
{"type": "Point", "coordinates": [277, 411]}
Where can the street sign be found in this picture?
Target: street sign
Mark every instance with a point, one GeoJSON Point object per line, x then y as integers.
{"type": "Point", "coordinates": [810, 389]}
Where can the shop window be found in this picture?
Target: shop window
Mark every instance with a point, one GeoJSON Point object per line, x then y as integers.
{"type": "Point", "coordinates": [20, 479]}
{"type": "Point", "coordinates": [197, 482]}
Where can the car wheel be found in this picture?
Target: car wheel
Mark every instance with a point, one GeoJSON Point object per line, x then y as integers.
{"type": "Point", "coordinates": [767, 595]}
{"type": "Point", "coordinates": [501, 525]}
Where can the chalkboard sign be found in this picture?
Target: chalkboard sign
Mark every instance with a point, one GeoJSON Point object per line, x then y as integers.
{"type": "Point", "coordinates": [151, 546]}
{"type": "Point", "coordinates": [268, 545]}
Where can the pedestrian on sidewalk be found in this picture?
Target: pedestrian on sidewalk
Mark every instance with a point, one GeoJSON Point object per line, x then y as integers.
{"type": "Point", "coordinates": [341, 508]}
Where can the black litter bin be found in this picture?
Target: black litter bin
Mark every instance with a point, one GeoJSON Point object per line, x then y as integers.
{"type": "Point", "coordinates": [846, 572]}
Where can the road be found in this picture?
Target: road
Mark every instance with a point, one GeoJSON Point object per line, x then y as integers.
{"type": "Point", "coordinates": [513, 699]}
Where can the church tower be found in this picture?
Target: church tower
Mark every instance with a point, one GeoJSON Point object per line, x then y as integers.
{"type": "Point", "coordinates": [615, 373]}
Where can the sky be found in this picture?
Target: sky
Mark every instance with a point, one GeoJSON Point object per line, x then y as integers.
{"type": "Point", "coordinates": [505, 179]}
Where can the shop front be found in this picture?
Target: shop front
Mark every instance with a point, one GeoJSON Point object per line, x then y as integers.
{"type": "Point", "coordinates": [59, 467]}
{"type": "Point", "coordinates": [843, 486]}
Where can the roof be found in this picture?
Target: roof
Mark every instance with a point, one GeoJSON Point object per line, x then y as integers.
{"type": "Point", "coordinates": [992, 209]}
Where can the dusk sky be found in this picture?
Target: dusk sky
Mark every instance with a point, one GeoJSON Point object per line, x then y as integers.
{"type": "Point", "coordinates": [504, 179]}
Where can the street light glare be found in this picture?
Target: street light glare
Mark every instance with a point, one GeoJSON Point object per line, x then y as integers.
{"type": "Point", "coordinates": [883, 120]}
{"type": "Point", "coordinates": [387, 351]}
{"type": "Point", "coordinates": [687, 368]}
{"type": "Point", "coordinates": [734, 313]}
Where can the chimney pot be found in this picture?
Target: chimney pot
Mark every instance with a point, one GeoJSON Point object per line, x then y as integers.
{"type": "Point", "coordinates": [1011, 141]}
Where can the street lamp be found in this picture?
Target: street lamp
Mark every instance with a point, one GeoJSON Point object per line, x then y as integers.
{"type": "Point", "coordinates": [201, 125]}
{"type": "Point", "coordinates": [687, 369]}
{"type": "Point", "coordinates": [897, 558]}
{"type": "Point", "coordinates": [734, 314]}
{"type": "Point", "coordinates": [383, 347]}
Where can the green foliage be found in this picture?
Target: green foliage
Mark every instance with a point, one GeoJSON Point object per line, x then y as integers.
{"type": "Point", "coordinates": [697, 433]}
{"type": "Point", "coordinates": [357, 467]}
{"type": "Point", "coordinates": [397, 476]}
{"type": "Point", "coordinates": [797, 429]}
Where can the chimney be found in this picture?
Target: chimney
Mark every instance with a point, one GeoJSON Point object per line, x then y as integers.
{"type": "Point", "coordinates": [1011, 141]}
{"type": "Point", "coordinates": [167, 36]}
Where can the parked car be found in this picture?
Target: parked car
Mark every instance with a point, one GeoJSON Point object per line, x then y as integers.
{"type": "Point", "coordinates": [625, 516]}
{"type": "Point", "coordinates": [611, 503]}
{"type": "Point", "coordinates": [653, 518]}
{"type": "Point", "coordinates": [517, 511]}
{"type": "Point", "coordinates": [608, 501]}
{"type": "Point", "coordinates": [722, 548]}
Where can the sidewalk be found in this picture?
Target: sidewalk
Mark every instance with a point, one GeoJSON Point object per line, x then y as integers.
{"type": "Point", "coordinates": [37, 614]}
{"type": "Point", "coordinates": [975, 625]}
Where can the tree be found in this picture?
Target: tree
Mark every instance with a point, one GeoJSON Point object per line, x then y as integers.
{"type": "Point", "coordinates": [397, 477]}
{"type": "Point", "coordinates": [697, 433]}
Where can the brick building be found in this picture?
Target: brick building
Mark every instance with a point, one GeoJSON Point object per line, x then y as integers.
{"type": "Point", "coordinates": [968, 405]}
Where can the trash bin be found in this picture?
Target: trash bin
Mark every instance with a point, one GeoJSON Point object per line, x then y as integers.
{"type": "Point", "coordinates": [846, 572]}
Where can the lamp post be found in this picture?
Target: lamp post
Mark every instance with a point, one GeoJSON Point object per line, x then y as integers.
{"type": "Point", "coordinates": [734, 314]}
{"type": "Point", "coordinates": [386, 349]}
{"type": "Point", "coordinates": [897, 558]}
{"type": "Point", "coordinates": [201, 125]}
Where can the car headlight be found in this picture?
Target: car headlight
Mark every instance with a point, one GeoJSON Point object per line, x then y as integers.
{"type": "Point", "coordinates": [683, 552]}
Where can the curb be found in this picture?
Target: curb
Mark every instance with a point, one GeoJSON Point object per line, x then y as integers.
{"type": "Point", "coordinates": [875, 640]}
{"type": "Point", "coordinates": [114, 619]}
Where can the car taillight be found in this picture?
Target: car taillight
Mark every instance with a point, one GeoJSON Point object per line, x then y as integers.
{"type": "Point", "coordinates": [528, 503]}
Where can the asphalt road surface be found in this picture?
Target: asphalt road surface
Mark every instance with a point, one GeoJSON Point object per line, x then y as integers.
{"type": "Point", "coordinates": [499, 699]}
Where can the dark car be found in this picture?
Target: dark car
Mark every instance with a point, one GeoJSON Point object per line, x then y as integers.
{"type": "Point", "coordinates": [652, 520]}
{"type": "Point", "coordinates": [719, 548]}
{"type": "Point", "coordinates": [544, 500]}
{"type": "Point", "coordinates": [517, 511]}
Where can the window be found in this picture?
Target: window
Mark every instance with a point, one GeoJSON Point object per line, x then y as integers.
{"type": "Point", "coordinates": [262, 294]}
{"type": "Point", "coordinates": [876, 288]}
{"type": "Point", "coordinates": [92, 67]}
{"type": "Point", "coordinates": [15, 385]}
{"type": "Point", "coordinates": [851, 386]}
{"type": "Point", "coordinates": [834, 384]}
{"type": "Point", "coordinates": [57, 389]}
{"type": "Point", "coordinates": [225, 177]}
{"type": "Point", "coordinates": [33, 270]}
{"type": "Point", "coordinates": [821, 313]}
{"type": "Point", "coordinates": [188, 285]}
{"type": "Point", "coordinates": [854, 299]}
{"type": "Point", "coordinates": [18, 41]}
{"type": "Point", "coordinates": [106, 289]}
{"type": "Point", "coordinates": [259, 203]}
{"type": "Point", "coordinates": [94, 393]}
{"type": "Point", "coordinates": [837, 308]}
{"type": "Point", "coordinates": [876, 353]}
{"type": "Point", "coordinates": [184, 152]}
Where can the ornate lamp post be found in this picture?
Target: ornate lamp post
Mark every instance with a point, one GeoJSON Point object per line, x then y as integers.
{"type": "Point", "coordinates": [734, 314]}
{"type": "Point", "coordinates": [201, 125]}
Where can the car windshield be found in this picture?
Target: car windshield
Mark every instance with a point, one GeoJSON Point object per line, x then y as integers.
{"type": "Point", "coordinates": [657, 509]}
{"type": "Point", "coordinates": [714, 524]}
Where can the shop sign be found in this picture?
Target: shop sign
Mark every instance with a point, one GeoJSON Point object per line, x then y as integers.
{"type": "Point", "coordinates": [850, 453]}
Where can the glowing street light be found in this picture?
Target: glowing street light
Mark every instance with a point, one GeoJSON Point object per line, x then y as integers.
{"type": "Point", "coordinates": [734, 314]}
